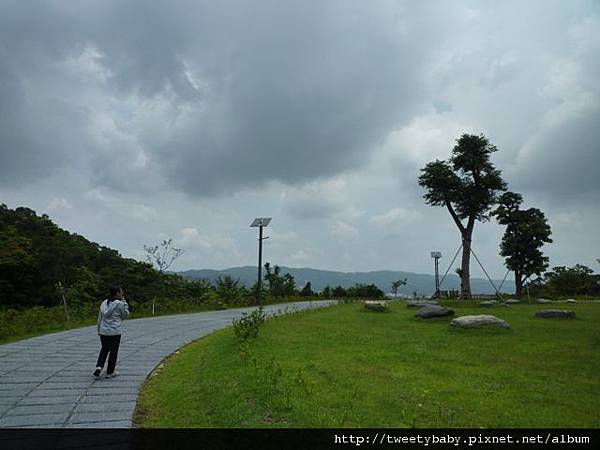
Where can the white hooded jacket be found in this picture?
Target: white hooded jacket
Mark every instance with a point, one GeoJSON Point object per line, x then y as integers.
{"type": "Point", "coordinates": [111, 316]}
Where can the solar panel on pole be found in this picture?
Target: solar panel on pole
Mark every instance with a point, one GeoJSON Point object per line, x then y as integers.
{"type": "Point", "coordinates": [260, 222]}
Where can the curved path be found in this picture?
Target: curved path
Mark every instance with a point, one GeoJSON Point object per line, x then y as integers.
{"type": "Point", "coordinates": [47, 381]}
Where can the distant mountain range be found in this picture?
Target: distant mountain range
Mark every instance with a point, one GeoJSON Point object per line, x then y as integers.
{"type": "Point", "coordinates": [421, 283]}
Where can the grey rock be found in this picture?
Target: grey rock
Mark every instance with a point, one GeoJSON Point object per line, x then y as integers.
{"type": "Point", "coordinates": [512, 301]}
{"type": "Point", "coordinates": [479, 321]}
{"type": "Point", "coordinates": [429, 312]}
{"type": "Point", "coordinates": [543, 300]}
{"type": "Point", "coordinates": [376, 305]}
{"type": "Point", "coordinates": [421, 304]}
{"type": "Point", "coordinates": [555, 314]}
{"type": "Point", "coordinates": [487, 304]}
{"type": "Point", "coordinates": [570, 300]}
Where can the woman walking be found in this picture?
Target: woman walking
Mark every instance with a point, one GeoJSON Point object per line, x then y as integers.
{"type": "Point", "coordinates": [112, 312]}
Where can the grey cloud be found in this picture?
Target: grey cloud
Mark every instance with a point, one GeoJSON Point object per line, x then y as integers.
{"type": "Point", "coordinates": [564, 162]}
{"type": "Point", "coordinates": [157, 104]}
{"type": "Point", "coordinates": [286, 91]}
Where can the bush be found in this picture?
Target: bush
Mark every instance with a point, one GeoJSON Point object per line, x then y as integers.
{"type": "Point", "coordinates": [247, 326]}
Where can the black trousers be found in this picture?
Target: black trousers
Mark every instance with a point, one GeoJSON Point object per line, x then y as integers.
{"type": "Point", "coordinates": [110, 348]}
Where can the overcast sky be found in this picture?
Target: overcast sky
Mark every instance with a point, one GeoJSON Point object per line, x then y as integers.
{"type": "Point", "coordinates": [133, 121]}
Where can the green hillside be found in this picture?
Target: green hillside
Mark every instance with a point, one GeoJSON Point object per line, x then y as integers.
{"type": "Point", "coordinates": [36, 254]}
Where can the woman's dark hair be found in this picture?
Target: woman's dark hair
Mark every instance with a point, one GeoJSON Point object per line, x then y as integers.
{"type": "Point", "coordinates": [114, 290]}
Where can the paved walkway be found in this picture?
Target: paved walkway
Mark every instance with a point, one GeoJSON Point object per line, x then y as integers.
{"type": "Point", "coordinates": [47, 381]}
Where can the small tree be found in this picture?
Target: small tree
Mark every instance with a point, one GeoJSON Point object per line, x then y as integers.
{"type": "Point", "coordinates": [161, 257]}
{"type": "Point", "coordinates": [526, 233]}
{"type": "Point", "coordinates": [338, 292]}
{"type": "Point", "coordinates": [279, 285]}
{"type": "Point", "coordinates": [467, 185]}
{"type": "Point", "coordinates": [229, 289]}
{"type": "Point", "coordinates": [396, 285]}
{"type": "Point", "coordinates": [307, 290]}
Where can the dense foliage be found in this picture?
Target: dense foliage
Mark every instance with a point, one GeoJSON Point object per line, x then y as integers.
{"type": "Point", "coordinates": [369, 291]}
{"type": "Point", "coordinates": [527, 231]}
{"type": "Point", "coordinates": [35, 255]}
{"type": "Point", "coordinates": [279, 285]}
{"type": "Point", "coordinates": [563, 281]}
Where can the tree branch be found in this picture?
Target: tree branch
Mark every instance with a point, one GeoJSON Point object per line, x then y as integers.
{"type": "Point", "coordinates": [455, 217]}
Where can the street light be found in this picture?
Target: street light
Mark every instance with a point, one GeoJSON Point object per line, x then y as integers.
{"type": "Point", "coordinates": [260, 222]}
{"type": "Point", "coordinates": [436, 256]}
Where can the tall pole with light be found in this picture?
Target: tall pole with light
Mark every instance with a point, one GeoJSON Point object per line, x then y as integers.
{"type": "Point", "coordinates": [436, 257]}
{"type": "Point", "coordinates": [260, 222]}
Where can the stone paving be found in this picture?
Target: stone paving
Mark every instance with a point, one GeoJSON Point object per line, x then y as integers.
{"type": "Point", "coordinates": [47, 382]}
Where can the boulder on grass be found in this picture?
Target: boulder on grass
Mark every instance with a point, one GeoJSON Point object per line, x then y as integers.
{"type": "Point", "coordinates": [479, 321]}
{"type": "Point", "coordinates": [555, 314]}
{"type": "Point", "coordinates": [512, 301]}
{"type": "Point", "coordinates": [543, 300]}
{"type": "Point", "coordinates": [487, 304]}
{"type": "Point", "coordinates": [421, 303]}
{"type": "Point", "coordinates": [429, 312]}
{"type": "Point", "coordinates": [376, 305]}
{"type": "Point", "coordinates": [570, 300]}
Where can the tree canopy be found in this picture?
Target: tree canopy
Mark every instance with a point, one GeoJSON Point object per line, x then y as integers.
{"type": "Point", "coordinates": [526, 233]}
{"type": "Point", "coordinates": [468, 185]}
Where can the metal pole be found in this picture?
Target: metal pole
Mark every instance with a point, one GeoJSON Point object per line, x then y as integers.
{"type": "Point", "coordinates": [64, 301]}
{"type": "Point", "coordinates": [437, 278]}
{"type": "Point", "coordinates": [450, 265]}
{"type": "Point", "coordinates": [484, 271]}
{"type": "Point", "coordinates": [259, 283]}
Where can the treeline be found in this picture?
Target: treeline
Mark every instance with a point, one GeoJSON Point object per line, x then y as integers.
{"type": "Point", "coordinates": [36, 255]}
{"type": "Point", "coordinates": [40, 262]}
{"type": "Point", "coordinates": [277, 286]}
{"type": "Point", "coordinates": [562, 281]}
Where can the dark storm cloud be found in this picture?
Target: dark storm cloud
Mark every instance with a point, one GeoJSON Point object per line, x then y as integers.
{"type": "Point", "coordinates": [255, 90]}
{"type": "Point", "coordinates": [214, 97]}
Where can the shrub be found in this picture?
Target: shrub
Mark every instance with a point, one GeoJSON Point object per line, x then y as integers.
{"type": "Point", "coordinates": [247, 326]}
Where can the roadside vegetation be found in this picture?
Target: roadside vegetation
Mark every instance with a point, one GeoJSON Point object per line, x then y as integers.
{"type": "Point", "coordinates": [345, 367]}
{"type": "Point", "coordinates": [52, 280]}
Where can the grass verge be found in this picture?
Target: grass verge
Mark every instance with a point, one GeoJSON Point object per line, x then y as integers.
{"type": "Point", "coordinates": [16, 325]}
{"type": "Point", "coordinates": [343, 367]}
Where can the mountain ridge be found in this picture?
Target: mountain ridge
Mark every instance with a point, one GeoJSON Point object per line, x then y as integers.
{"type": "Point", "coordinates": [422, 284]}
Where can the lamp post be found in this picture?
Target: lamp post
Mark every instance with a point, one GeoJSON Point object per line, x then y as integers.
{"type": "Point", "coordinates": [436, 257]}
{"type": "Point", "coordinates": [260, 222]}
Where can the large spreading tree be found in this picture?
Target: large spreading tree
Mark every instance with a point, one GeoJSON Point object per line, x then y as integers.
{"type": "Point", "coordinates": [468, 185]}
{"type": "Point", "coordinates": [526, 232]}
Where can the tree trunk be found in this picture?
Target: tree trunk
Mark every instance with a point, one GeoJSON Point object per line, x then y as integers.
{"type": "Point", "coordinates": [518, 285]}
{"type": "Point", "coordinates": [465, 280]}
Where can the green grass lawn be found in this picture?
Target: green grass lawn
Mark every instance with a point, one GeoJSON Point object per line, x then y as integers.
{"type": "Point", "coordinates": [344, 367]}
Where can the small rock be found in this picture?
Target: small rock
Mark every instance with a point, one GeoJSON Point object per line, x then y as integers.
{"type": "Point", "coordinates": [479, 321]}
{"type": "Point", "coordinates": [512, 301]}
{"type": "Point", "coordinates": [487, 304]}
{"type": "Point", "coordinates": [376, 305]}
{"type": "Point", "coordinates": [434, 311]}
{"type": "Point", "coordinates": [570, 300]}
{"type": "Point", "coordinates": [555, 314]}
{"type": "Point", "coordinates": [421, 304]}
{"type": "Point", "coordinates": [543, 300]}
